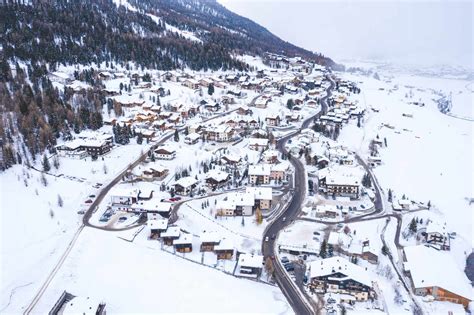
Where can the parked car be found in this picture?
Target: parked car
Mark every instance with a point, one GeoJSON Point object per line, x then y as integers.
{"type": "Point", "coordinates": [285, 260]}
{"type": "Point", "coordinates": [273, 236]}
{"type": "Point", "coordinates": [289, 266]}
{"type": "Point", "coordinates": [284, 219]}
{"type": "Point", "coordinates": [266, 239]}
{"type": "Point", "coordinates": [81, 212]}
{"type": "Point", "coordinates": [331, 301]}
{"type": "Point", "coordinates": [122, 219]}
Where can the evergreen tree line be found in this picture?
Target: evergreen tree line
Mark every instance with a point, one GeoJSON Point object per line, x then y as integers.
{"type": "Point", "coordinates": [35, 113]}
{"type": "Point", "coordinates": [86, 32]}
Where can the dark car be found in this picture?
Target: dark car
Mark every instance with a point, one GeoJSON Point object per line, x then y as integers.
{"type": "Point", "coordinates": [289, 267]}
{"type": "Point", "coordinates": [122, 219]}
{"type": "Point", "coordinates": [285, 260]}
{"type": "Point", "coordinates": [273, 236]}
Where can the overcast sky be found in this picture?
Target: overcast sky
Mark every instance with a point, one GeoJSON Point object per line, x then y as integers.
{"type": "Point", "coordinates": [411, 32]}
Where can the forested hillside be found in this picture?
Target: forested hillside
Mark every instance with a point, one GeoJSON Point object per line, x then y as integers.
{"type": "Point", "coordinates": [39, 36]}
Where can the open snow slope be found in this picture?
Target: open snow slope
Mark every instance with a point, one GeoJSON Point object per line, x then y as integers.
{"type": "Point", "coordinates": [135, 278]}
{"type": "Point", "coordinates": [35, 230]}
{"type": "Point", "coordinates": [428, 156]}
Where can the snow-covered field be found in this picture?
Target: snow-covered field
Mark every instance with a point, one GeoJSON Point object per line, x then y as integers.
{"type": "Point", "coordinates": [35, 230]}
{"type": "Point", "coordinates": [428, 156]}
{"type": "Point", "coordinates": [137, 279]}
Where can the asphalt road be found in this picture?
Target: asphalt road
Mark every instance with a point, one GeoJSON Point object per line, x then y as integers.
{"type": "Point", "coordinates": [289, 289]}
{"type": "Point", "coordinates": [90, 211]}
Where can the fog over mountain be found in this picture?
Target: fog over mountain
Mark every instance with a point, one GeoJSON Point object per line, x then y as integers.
{"type": "Point", "coordinates": [408, 32]}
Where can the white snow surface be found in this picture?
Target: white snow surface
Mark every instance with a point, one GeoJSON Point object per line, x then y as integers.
{"type": "Point", "coordinates": [139, 279]}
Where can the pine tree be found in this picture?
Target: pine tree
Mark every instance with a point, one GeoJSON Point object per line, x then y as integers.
{"type": "Point", "coordinates": [323, 249]}
{"type": "Point", "coordinates": [176, 135]}
{"type": "Point", "coordinates": [139, 138]}
{"type": "Point", "coordinates": [290, 103]}
{"type": "Point", "coordinates": [46, 165]}
{"type": "Point", "coordinates": [413, 226]}
{"type": "Point", "coordinates": [210, 89]}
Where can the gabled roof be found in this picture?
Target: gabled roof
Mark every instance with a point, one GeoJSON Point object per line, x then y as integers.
{"type": "Point", "coordinates": [184, 239]}
{"type": "Point", "coordinates": [218, 176]}
{"type": "Point", "coordinates": [158, 224]}
{"type": "Point", "coordinates": [330, 266]}
{"type": "Point", "coordinates": [260, 169]}
{"type": "Point", "coordinates": [433, 268]}
{"type": "Point", "coordinates": [260, 193]}
{"type": "Point", "coordinates": [252, 261]}
{"type": "Point", "coordinates": [172, 231]}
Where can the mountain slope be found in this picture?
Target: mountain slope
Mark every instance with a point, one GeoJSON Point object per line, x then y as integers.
{"type": "Point", "coordinates": [161, 34]}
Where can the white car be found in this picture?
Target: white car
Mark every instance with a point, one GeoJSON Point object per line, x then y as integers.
{"type": "Point", "coordinates": [266, 239]}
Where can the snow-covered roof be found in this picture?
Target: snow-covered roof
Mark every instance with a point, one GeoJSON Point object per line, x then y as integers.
{"type": "Point", "coordinates": [153, 205]}
{"type": "Point", "coordinates": [81, 305]}
{"type": "Point", "coordinates": [270, 153]}
{"type": "Point", "coordinates": [184, 239]}
{"type": "Point", "coordinates": [258, 142]}
{"type": "Point", "coordinates": [217, 175]}
{"type": "Point", "coordinates": [211, 236]}
{"type": "Point", "coordinates": [221, 129]}
{"type": "Point", "coordinates": [436, 227]}
{"type": "Point", "coordinates": [157, 224]}
{"type": "Point", "coordinates": [432, 268]}
{"type": "Point", "coordinates": [332, 265]}
{"type": "Point", "coordinates": [186, 181]}
{"type": "Point", "coordinates": [159, 168]}
{"type": "Point", "coordinates": [337, 238]}
{"type": "Point", "coordinates": [281, 167]}
{"type": "Point", "coordinates": [71, 145]}
{"type": "Point", "coordinates": [172, 231]}
{"type": "Point", "coordinates": [167, 148]}
{"type": "Point", "coordinates": [232, 157]}
{"type": "Point", "coordinates": [336, 178]}
{"type": "Point", "coordinates": [225, 244]}
{"type": "Point", "coordinates": [327, 208]}
{"type": "Point", "coordinates": [260, 169]}
{"type": "Point", "coordinates": [260, 193]}
{"type": "Point", "coordinates": [193, 136]}
{"type": "Point", "coordinates": [252, 261]}
{"type": "Point", "coordinates": [124, 192]}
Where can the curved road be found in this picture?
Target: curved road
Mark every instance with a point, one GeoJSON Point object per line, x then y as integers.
{"type": "Point", "coordinates": [289, 289]}
{"type": "Point", "coordinates": [90, 211]}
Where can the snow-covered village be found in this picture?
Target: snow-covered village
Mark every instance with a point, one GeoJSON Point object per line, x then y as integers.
{"type": "Point", "coordinates": [288, 187]}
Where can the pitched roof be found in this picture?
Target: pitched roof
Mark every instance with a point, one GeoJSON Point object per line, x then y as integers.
{"type": "Point", "coordinates": [329, 266]}
{"type": "Point", "coordinates": [252, 261]}
{"type": "Point", "coordinates": [433, 268]}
